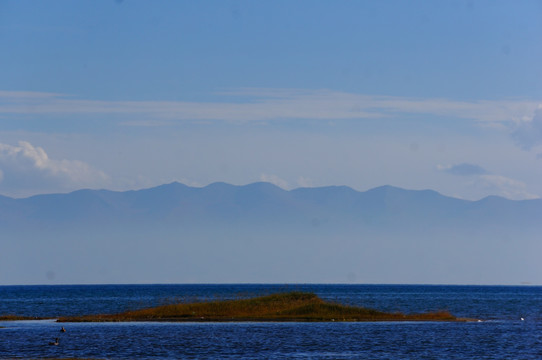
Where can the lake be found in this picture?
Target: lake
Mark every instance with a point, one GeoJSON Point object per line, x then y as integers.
{"type": "Point", "coordinates": [502, 334]}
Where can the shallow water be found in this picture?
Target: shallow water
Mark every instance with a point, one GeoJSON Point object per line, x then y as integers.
{"type": "Point", "coordinates": [502, 334]}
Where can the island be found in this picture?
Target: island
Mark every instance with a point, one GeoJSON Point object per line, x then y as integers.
{"type": "Point", "coordinates": [291, 306]}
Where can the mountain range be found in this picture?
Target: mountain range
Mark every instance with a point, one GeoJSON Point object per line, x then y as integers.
{"type": "Point", "coordinates": [261, 233]}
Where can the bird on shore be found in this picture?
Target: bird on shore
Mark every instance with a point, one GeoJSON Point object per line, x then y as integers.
{"type": "Point", "coordinates": [55, 343]}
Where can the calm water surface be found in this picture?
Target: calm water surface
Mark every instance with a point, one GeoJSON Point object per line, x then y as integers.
{"type": "Point", "coordinates": [502, 334]}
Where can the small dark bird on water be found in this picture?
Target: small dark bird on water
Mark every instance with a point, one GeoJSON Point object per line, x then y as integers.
{"type": "Point", "coordinates": [54, 343]}
{"type": "Point", "coordinates": [63, 330]}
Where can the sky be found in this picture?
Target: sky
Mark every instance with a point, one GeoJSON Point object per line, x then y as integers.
{"type": "Point", "coordinates": [442, 95]}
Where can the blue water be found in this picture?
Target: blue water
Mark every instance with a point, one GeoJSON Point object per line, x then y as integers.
{"type": "Point", "coordinates": [501, 335]}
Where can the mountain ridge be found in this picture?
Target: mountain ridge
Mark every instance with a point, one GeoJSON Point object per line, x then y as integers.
{"type": "Point", "coordinates": [177, 184]}
{"type": "Point", "coordinates": [262, 233]}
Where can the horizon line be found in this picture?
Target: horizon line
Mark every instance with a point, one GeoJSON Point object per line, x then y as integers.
{"type": "Point", "coordinates": [260, 182]}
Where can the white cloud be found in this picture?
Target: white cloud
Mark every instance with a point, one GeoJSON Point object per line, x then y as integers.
{"type": "Point", "coordinates": [504, 186]}
{"type": "Point", "coordinates": [304, 182]}
{"type": "Point", "coordinates": [189, 182]}
{"type": "Point", "coordinates": [528, 132]}
{"type": "Point", "coordinates": [488, 183]}
{"type": "Point", "coordinates": [269, 104]}
{"type": "Point", "coordinates": [28, 170]}
{"type": "Point", "coordinates": [463, 169]}
{"type": "Point", "coordinates": [274, 179]}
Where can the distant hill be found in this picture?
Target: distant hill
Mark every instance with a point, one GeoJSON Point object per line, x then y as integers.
{"type": "Point", "coordinates": [262, 233]}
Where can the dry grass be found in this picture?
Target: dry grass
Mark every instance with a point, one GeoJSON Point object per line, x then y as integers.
{"type": "Point", "coordinates": [292, 306]}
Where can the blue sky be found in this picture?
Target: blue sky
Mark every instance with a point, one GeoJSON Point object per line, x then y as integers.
{"type": "Point", "coordinates": [441, 95]}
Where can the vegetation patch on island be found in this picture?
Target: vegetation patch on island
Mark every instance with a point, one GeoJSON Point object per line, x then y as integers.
{"type": "Point", "coordinates": [292, 306]}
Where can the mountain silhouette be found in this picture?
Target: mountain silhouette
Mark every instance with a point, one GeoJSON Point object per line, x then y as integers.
{"type": "Point", "coordinates": [262, 233]}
